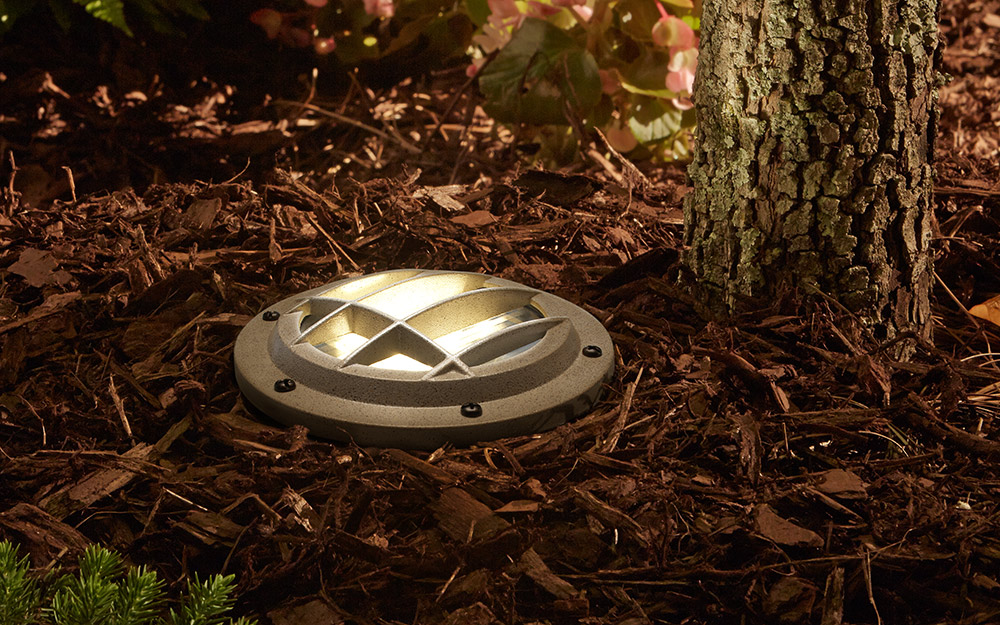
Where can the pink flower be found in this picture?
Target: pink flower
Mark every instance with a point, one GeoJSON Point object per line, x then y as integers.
{"type": "Point", "coordinates": [584, 11]}
{"type": "Point", "coordinates": [680, 71]}
{"type": "Point", "coordinates": [580, 6]}
{"type": "Point", "coordinates": [381, 8]}
{"type": "Point", "coordinates": [269, 20]}
{"type": "Point", "coordinates": [316, 3]}
{"type": "Point", "coordinates": [538, 9]}
{"type": "Point", "coordinates": [670, 31]}
{"type": "Point", "coordinates": [682, 104]}
{"type": "Point", "coordinates": [680, 81]}
{"type": "Point", "coordinates": [609, 81]}
{"type": "Point", "coordinates": [620, 137]}
{"type": "Point", "coordinates": [495, 35]}
{"type": "Point", "coordinates": [503, 8]}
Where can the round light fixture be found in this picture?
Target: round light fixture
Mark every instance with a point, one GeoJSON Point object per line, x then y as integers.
{"type": "Point", "coordinates": [417, 358]}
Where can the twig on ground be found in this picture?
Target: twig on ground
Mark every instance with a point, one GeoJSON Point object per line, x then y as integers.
{"type": "Point", "coordinates": [395, 138]}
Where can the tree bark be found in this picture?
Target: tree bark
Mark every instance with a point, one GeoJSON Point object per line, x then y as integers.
{"type": "Point", "coordinates": [816, 121]}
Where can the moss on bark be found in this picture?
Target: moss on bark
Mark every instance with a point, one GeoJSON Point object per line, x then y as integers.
{"type": "Point", "coordinates": [816, 123]}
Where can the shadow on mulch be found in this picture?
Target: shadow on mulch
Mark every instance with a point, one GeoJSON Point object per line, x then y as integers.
{"type": "Point", "coordinates": [777, 467]}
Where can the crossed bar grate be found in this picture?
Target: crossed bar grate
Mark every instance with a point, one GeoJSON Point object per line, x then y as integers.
{"type": "Point", "coordinates": [431, 323]}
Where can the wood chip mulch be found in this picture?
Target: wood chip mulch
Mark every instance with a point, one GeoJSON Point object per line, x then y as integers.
{"type": "Point", "coordinates": [774, 467]}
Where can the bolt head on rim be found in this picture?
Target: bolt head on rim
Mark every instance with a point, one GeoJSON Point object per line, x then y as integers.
{"type": "Point", "coordinates": [472, 410]}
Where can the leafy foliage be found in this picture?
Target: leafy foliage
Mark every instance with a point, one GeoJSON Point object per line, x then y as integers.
{"type": "Point", "coordinates": [111, 11]}
{"type": "Point", "coordinates": [159, 14]}
{"type": "Point", "coordinates": [623, 66]}
{"type": "Point", "coordinates": [639, 54]}
{"type": "Point", "coordinates": [537, 73]}
{"type": "Point", "coordinates": [100, 594]}
{"type": "Point", "coordinates": [420, 34]}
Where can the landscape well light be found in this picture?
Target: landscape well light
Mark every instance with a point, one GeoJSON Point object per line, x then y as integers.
{"type": "Point", "coordinates": [418, 358]}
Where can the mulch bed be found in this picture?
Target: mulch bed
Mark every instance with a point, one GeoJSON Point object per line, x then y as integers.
{"type": "Point", "coordinates": [775, 467]}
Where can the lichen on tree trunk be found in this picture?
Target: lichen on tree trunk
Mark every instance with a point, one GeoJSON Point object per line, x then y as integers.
{"type": "Point", "coordinates": [816, 124]}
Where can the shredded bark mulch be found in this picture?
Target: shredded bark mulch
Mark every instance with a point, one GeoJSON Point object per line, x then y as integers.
{"type": "Point", "coordinates": [775, 467]}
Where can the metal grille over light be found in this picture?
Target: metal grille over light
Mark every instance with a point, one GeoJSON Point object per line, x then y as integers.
{"type": "Point", "coordinates": [417, 358]}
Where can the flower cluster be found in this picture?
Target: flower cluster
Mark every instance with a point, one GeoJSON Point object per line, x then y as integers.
{"type": "Point", "coordinates": [645, 53]}
{"type": "Point", "coordinates": [679, 38]}
{"type": "Point", "coordinates": [624, 66]}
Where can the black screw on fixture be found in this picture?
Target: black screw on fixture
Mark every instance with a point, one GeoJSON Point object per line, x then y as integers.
{"type": "Point", "coordinates": [592, 351]}
{"type": "Point", "coordinates": [472, 410]}
{"type": "Point", "coordinates": [271, 315]}
{"type": "Point", "coordinates": [283, 386]}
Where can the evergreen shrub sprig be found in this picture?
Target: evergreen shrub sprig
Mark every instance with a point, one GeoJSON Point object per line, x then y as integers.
{"type": "Point", "coordinates": [103, 593]}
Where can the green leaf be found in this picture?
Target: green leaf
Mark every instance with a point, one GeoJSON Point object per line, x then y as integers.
{"type": "Point", "coordinates": [539, 70]}
{"type": "Point", "coordinates": [654, 120]}
{"type": "Point", "coordinates": [152, 15]}
{"type": "Point", "coordinates": [636, 18]}
{"type": "Point", "coordinates": [63, 12]}
{"type": "Point", "coordinates": [653, 93]}
{"type": "Point", "coordinates": [648, 73]}
{"type": "Point", "coordinates": [189, 7]}
{"type": "Point", "coordinates": [408, 34]}
{"type": "Point", "coordinates": [479, 11]}
{"type": "Point", "coordinates": [11, 10]}
{"type": "Point", "coordinates": [110, 11]}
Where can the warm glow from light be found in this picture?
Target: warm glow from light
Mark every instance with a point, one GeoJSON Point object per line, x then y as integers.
{"type": "Point", "coordinates": [411, 295]}
{"type": "Point", "coordinates": [354, 289]}
{"type": "Point", "coordinates": [404, 299]}
{"type": "Point", "coordinates": [458, 340]}
{"type": "Point", "coordinates": [454, 342]}
{"type": "Point", "coordinates": [343, 344]}
{"type": "Point", "coordinates": [401, 362]}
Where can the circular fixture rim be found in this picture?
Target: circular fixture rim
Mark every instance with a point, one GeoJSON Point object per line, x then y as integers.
{"type": "Point", "coordinates": [541, 405]}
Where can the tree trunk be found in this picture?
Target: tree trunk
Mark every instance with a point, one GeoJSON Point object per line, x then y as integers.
{"type": "Point", "coordinates": [816, 121]}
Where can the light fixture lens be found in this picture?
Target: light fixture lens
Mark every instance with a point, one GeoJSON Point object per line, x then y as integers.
{"type": "Point", "coordinates": [343, 345]}
{"type": "Point", "coordinates": [401, 362]}
{"type": "Point", "coordinates": [395, 358]}
{"type": "Point", "coordinates": [407, 297]}
{"type": "Point", "coordinates": [458, 340]}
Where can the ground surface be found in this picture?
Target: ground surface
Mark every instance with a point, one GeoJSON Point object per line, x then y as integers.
{"type": "Point", "coordinates": [772, 468]}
